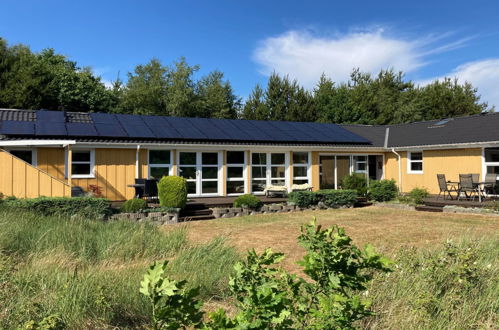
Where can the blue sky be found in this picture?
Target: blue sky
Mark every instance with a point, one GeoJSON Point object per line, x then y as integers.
{"type": "Point", "coordinates": [249, 39]}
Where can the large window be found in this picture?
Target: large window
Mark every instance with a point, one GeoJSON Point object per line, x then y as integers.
{"type": "Point", "coordinates": [267, 169]}
{"type": "Point", "coordinates": [28, 155]}
{"type": "Point", "coordinates": [160, 163]}
{"type": "Point", "coordinates": [82, 164]}
{"type": "Point", "coordinates": [415, 162]}
{"type": "Point", "coordinates": [235, 172]}
{"type": "Point", "coordinates": [300, 167]}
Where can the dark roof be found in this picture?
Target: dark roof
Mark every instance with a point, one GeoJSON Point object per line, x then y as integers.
{"type": "Point", "coordinates": [375, 134]}
{"type": "Point", "coordinates": [61, 124]}
{"type": "Point", "coordinates": [470, 129]}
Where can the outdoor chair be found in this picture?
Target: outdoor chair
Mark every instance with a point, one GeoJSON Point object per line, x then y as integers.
{"type": "Point", "coordinates": [475, 177]}
{"type": "Point", "coordinates": [467, 186]}
{"type": "Point", "coordinates": [490, 183]}
{"type": "Point", "coordinates": [443, 185]}
{"type": "Point", "coordinates": [151, 189]}
{"type": "Point", "coordinates": [301, 187]}
{"type": "Point", "coordinates": [139, 191]}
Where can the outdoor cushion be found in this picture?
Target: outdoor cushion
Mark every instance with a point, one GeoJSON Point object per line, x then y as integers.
{"type": "Point", "coordinates": [304, 186]}
{"type": "Point", "coordinates": [276, 188]}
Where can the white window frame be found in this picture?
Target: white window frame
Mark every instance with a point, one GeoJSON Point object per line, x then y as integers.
{"type": "Point", "coordinates": [486, 164]}
{"type": "Point", "coordinates": [356, 162]}
{"type": "Point", "coordinates": [91, 175]}
{"type": "Point", "coordinates": [243, 178]}
{"type": "Point", "coordinates": [268, 169]}
{"type": "Point", "coordinates": [307, 166]}
{"type": "Point", "coordinates": [199, 167]}
{"type": "Point", "coordinates": [410, 161]}
{"type": "Point", "coordinates": [149, 165]}
{"type": "Point", "coordinates": [34, 153]}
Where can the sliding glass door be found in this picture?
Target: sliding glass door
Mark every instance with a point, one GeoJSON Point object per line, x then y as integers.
{"type": "Point", "coordinates": [268, 169]}
{"type": "Point", "coordinates": [202, 172]}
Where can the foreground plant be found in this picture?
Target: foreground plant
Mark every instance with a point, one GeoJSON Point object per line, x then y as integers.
{"type": "Point", "coordinates": [268, 297]}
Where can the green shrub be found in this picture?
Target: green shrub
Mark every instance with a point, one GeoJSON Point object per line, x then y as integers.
{"type": "Point", "coordinates": [268, 297]}
{"type": "Point", "coordinates": [336, 198]}
{"type": "Point", "coordinates": [357, 182]}
{"type": "Point", "coordinates": [134, 205]}
{"type": "Point", "coordinates": [418, 195]}
{"type": "Point", "coordinates": [248, 200]}
{"type": "Point", "coordinates": [86, 207]}
{"type": "Point", "coordinates": [303, 198]}
{"type": "Point", "coordinates": [172, 192]}
{"type": "Point", "coordinates": [383, 190]}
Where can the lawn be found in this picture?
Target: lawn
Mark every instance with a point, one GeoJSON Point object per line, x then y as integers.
{"type": "Point", "coordinates": [387, 229]}
{"type": "Point", "coordinates": [88, 272]}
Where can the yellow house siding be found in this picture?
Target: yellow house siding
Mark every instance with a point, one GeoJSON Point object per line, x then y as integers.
{"type": "Point", "coordinates": [51, 160]}
{"type": "Point", "coordinates": [315, 171]}
{"type": "Point", "coordinates": [20, 179]}
{"type": "Point", "coordinates": [450, 162]}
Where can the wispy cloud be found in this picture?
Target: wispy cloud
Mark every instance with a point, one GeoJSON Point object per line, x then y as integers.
{"type": "Point", "coordinates": [483, 74]}
{"type": "Point", "coordinates": [305, 56]}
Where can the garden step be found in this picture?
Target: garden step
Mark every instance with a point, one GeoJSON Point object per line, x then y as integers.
{"type": "Point", "coordinates": [427, 208]}
{"type": "Point", "coordinates": [195, 212]}
{"type": "Point", "coordinates": [197, 217]}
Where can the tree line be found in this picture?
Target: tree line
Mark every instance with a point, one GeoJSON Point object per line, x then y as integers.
{"type": "Point", "coordinates": [48, 80]}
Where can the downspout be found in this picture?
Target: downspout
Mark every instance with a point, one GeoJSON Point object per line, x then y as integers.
{"type": "Point", "coordinates": [137, 170]}
{"type": "Point", "coordinates": [400, 169]}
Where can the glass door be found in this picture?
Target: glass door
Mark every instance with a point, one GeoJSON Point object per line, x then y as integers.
{"type": "Point", "coordinates": [201, 170]}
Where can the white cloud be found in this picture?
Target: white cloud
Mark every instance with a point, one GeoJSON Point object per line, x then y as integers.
{"type": "Point", "coordinates": [304, 56]}
{"type": "Point", "coordinates": [483, 74]}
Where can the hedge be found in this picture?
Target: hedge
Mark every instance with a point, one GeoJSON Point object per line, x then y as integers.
{"type": "Point", "coordinates": [330, 198]}
{"type": "Point", "coordinates": [86, 207]}
{"type": "Point", "coordinates": [357, 182]}
{"type": "Point", "coordinates": [172, 191]}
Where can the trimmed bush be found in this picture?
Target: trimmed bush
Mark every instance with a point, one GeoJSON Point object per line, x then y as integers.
{"type": "Point", "coordinates": [383, 190]}
{"type": "Point", "coordinates": [248, 201]}
{"type": "Point", "coordinates": [337, 198]}
{"type": "Point", "coordinates": [418, 195]}
{"type": "Point", "coordinates": [86, 207]}
{"type": "Point", "coordinates": [357, 182]}
{"type": "Point", "coordinates": [172, 192]}
{"type": "Point", "coordinates": [134, 205]}
{"type": "Point", "coordinates": [303, 198]}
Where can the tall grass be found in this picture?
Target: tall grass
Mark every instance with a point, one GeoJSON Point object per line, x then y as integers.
{"type": "Point", "coordinates": [452, 286]}
{"type": "Point", "coordinates": [88, 272]}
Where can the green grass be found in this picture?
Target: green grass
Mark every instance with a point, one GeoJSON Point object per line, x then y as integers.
{"type": "Point", "coordinates": [89, 271]}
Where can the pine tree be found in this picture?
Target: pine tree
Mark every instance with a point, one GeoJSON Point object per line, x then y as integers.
{"type": "Point", "coordinates": [255, 107]}
{"type": "Point", "coordinates": [216, 98]}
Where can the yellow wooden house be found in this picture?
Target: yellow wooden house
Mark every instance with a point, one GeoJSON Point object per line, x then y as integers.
{"type": "Point", "coordinates": [47, 153]}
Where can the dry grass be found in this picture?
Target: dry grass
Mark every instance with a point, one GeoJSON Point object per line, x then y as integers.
{"type": "Point", "coordinates": [387, 229]}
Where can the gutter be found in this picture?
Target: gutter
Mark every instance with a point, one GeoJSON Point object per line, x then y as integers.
{"type": "Point", "coordinates": [40, 143]}
{"type": "Point", "coordinates": [400, 169]}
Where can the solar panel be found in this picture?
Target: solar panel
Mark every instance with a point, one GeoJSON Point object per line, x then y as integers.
{"type": "Point", "coordinates": [81, 129]}
{"type": "Point", "coordinates": [50, 116]}
{"type": "Point", "coordinates": [206, 127]}
{"type": "Point", "coordinates": [134, 126]}
{"type": "Point", "coordinates": [110, 130]}
{"type": "Point", "coordinates": [103, 118]}
{"type": "Point", "coordinates": [17, 127]}
{"type": "Point", "coordinates": [185, 128]}
{"type": "Point", "coordinates": [48, 128]}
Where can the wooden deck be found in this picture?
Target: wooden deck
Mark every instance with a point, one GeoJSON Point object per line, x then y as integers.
{"type": "Point", "coordinates": [434, 201]}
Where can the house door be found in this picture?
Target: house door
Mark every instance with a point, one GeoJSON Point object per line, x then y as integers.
{"type": "Point", "coordinates": [202, 172]}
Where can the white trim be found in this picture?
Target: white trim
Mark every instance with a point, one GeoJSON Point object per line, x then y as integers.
{"type": "Point", "coordinates": [91, 175]}
{"type": "Point", "coordinates": [39, 143]}
{"type": "Point", "coordinates": [137, 164]}
{"type": "Point", "coordinates": [410, 161]}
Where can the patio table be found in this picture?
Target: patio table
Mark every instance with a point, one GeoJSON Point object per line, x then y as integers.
{"type": "Point", "coordinates": [139, 188]}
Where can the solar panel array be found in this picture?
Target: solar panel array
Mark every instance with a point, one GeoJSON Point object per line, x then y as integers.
{"type": "Point", "coordinates": [103, 125]}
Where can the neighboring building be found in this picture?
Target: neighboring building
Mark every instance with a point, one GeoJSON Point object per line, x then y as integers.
{"type": "Point", "coordinates": [45, 153]}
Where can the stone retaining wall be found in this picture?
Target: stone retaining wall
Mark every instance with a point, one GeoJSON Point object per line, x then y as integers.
{"type": "Point", "coordinates": [159, 218]}
{"type": "Point", "coordinates": [229, 212]}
